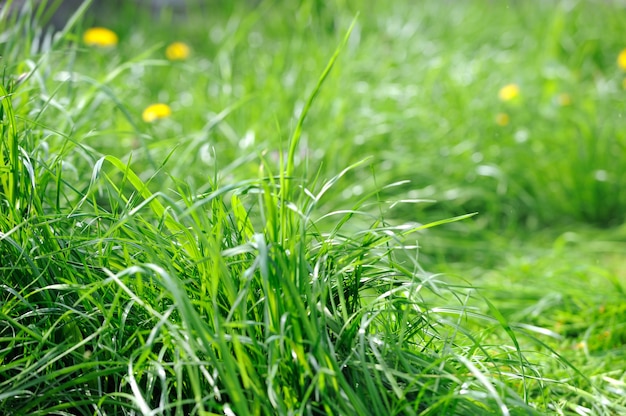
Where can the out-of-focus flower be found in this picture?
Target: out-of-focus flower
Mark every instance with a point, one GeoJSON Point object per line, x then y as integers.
{"type": "Point", "coordinates": [502, 119]}
{"type": "Point", "coordinates": [100, 36]}
{"type": "Point", "coordinates": [177, 51]}
{"type": "Point", "coordinates": [156, 111]}
{"type": "Point", "coordinates": [564, 99]}
{"type": "Point", "coordinates": [621, 60]}
{"type": "Point", "coordinates": [508, 92]}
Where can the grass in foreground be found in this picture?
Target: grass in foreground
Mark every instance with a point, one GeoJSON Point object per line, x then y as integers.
{"type": "Point", "coordinates": [215, 262]}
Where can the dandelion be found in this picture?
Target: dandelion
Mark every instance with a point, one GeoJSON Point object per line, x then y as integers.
{"type": "Point", "coordinates": [156, 111]}
{"type": "Point", "coordinates": [621, 60]}
{"type": "Point", "coordinates": [100, 36]}
{"type": "Point", "coordinates": [502, 119]}
{"type": "Point", "coordinates": [177, 51]}
{"type": "Point", "coordinates": [508, 92]}
{"type": "Point", "coordinates": [564, 100]}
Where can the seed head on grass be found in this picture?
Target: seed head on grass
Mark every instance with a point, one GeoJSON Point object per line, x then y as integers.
{"type": "Point", "coordinates": [509, 92]}
{"type": "Point", "coordinates": [100, 37]}
{"type": "Point", "coordinates": [156, 111]}
{"type": "Point", "coordinates": [177, 51]}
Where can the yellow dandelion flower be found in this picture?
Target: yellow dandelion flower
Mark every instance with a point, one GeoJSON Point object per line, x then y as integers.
{"type": "Point", "coordinates": [621, 60]}
{"type": "Point", "coordinates": [564, 100]}
{"type": "Point", "coordinates": [156, 111]}
{"type": "Point", "coordinates": [100, 36]}
{"type": "Point", "coordinates": [502, 119]}
{"type": "Point", "coordinates": [508, 92]}
{"type": "Point", "coordinates": [177, 51]}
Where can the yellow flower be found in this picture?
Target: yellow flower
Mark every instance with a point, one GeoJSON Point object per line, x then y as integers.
{"type": "Point", "coordinates": [100, 36]}
{"type": "Point", "coordinates": [621, 60]}
{"type": "Point", "coordinates": [156, 111]}
{"type": "Point", "coordinates": [564, 100]}
{"type": "Point", "coordinates": [502, 119]}
{"type": "Point", "coordinates": [508, 92]}
{"type": "Point", "coordinates": [177, 51]}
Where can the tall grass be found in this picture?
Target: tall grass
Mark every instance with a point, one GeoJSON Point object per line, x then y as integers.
{"type": "Point", "coordinates": [143, 273]}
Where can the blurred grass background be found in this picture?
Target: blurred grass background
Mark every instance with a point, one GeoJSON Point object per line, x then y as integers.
{"type": "Point", "coordinates": [417, 89]}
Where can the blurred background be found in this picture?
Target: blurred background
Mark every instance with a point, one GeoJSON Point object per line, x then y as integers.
{"type": "Point", "coordinates": [514, 110]}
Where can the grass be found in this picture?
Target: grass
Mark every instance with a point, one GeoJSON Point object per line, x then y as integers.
{"type": "Point", "coordinates": [339, 216]}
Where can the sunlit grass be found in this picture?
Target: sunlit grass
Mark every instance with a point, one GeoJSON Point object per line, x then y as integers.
{"type": "Point", "coordinates": [248, 215]}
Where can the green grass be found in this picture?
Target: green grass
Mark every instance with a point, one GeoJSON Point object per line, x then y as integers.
{"type": "Point", "coordinates": [330, 222]}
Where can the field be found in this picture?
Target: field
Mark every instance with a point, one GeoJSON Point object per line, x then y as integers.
{"type": "Point", "coordinates": [316, 207]}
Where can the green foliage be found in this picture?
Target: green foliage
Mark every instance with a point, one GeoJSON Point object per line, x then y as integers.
{"type": "Point", "coordinates": [258, 252]}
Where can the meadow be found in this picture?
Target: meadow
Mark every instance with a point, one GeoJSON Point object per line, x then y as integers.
{"type": "Point", "coordinates": [316, 207]}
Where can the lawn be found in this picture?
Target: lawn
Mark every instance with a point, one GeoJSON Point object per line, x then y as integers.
{"type": "Point", "coordinates": [310, 208]}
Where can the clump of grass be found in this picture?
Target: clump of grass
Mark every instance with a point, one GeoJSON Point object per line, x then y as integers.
{"type": "Point", "coordinates": [186, 306]}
